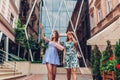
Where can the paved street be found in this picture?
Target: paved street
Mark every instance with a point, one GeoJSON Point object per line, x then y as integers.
{"type": "Point", "coordinates": [58, 77]}
{"type": "Point", "coordinates": [82, 74]}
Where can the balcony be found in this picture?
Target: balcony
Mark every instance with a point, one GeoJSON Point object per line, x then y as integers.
{"type": "Point", "coordinates": [24, 7]}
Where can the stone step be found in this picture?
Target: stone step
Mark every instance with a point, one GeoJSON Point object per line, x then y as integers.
{"type": "Point", "coordinates": [9, 73]}
{"type": "Point", "coordinates": [11, 77]}
{"type": "Point", "coordinates": [85, 70]}
{"type": "Point", "coordinates": [3, 66]}
{"type": "Point", "coordinates": [6, 70]}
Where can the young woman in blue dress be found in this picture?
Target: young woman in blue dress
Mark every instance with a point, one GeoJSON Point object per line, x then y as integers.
{"type": "Point", "coordinates": [51, 58]}
{"type": "Point", "coordinates": [70, 59]}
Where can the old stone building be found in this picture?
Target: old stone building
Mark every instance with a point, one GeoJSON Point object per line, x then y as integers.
{"type": "Point", "coordinates": [9, 12]}
{"type": "Point", "coordinates": [104, 22]}
{"type": "Point", "coordinates": [25, 8]}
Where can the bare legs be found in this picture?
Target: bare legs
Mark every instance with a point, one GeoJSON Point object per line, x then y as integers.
{"type": "Point", "coordinates": [74, 74]}
{"type": "Point", "coordinates": [68, 74]}
{"type": "Point", "coordinates": [54, 72]}
{"type": "Point", "coordinates": [51, 71]}
{"type": "Point", "coordinates": [49, 68]}
{"type": "Point", "coordinates": [73, 71]}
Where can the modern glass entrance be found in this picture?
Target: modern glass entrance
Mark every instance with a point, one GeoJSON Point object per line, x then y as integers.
{"type": "Point", "coordinates": [55, 15]}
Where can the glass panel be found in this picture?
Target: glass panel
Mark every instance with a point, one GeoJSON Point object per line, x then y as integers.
{"type": "Point", "coordinates": [56, 5]}
{"type": "Point", "coordinates": [63, 30]}
{"type": "Point", "coordinates": [48, 4]}
{"type": "Point", "coordinates": [44, 18]}
{"type": "Point", "coordinates": [62, 17]}
{"type": "Point", "coordinates": [69, 5]}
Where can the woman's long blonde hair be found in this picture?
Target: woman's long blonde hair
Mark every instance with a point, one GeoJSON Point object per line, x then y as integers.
{"type": "Point", "coordinates": [72, 33]}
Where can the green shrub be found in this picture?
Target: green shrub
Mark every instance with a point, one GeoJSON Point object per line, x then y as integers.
{"type": "Point", "coordinates": [117, 57]}
{"type": "Point", "coordinates": [95, 63]}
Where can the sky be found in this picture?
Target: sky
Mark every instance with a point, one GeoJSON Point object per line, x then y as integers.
{"type": "Point", "coordinates": [55, 16]}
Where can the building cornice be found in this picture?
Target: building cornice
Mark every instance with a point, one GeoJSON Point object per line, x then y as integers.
{"type": "Point", "coordinates": [7, 25]}
{"type": "Point", "coordinates": [107, 20]}
{"type": "Point", "coordinates": [14, 6]}
{"type": "Point", "coordinates": [103, 26]}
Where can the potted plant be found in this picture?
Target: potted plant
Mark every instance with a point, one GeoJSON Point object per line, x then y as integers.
{"type": "Point", "coordinates": [108, 63]}
{"type": "Point", "coordinates": [95, 63]}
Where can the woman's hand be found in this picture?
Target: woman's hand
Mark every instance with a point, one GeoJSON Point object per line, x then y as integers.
{"type": "Point", "coordinates": [72, 37]}
{"type": "Point", "coordinates": [41, 26]}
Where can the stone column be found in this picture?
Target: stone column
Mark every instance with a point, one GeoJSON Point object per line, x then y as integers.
{"type": "Point", "coordinates": [6, 48]}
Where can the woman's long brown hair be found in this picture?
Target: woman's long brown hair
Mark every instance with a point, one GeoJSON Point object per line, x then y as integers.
{"type": "Point", "coordinates": [56, 36]}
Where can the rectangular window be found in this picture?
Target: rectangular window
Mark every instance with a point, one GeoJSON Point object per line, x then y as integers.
{"type": "Point", "coordinates": [99, 14]}
{"type": "Point", "coordinates": [92, 21]}
{"type": "Point", "coordinates": [11, 19]}
{"type": "Point", "coordinates": [109, 5]}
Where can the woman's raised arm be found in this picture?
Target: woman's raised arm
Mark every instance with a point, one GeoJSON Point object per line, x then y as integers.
{"type": "Point", "coordinates": [42, 33]}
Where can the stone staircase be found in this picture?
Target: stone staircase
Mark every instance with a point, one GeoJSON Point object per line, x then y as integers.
{"type": "Point", "coordinates": [7, 73]}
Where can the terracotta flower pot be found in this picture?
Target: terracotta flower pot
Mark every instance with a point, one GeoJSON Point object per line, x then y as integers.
{"type": "Point", "coordinates": [108, 75]}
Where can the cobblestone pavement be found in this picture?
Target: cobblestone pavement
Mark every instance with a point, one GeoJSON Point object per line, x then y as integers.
{"type": "Point", "coordinates": [58, 77]}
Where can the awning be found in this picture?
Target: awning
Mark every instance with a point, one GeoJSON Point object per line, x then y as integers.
{"type": "Point", "coordinates": [112, 33]}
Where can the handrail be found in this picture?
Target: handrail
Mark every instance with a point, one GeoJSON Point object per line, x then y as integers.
{"type": "Point", "coordinates": [11, 57]}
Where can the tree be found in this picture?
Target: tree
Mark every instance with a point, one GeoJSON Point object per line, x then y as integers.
{"type": "Point", "coordinates": [22, 41]}
{"type": "Point", "coordinates": [95, 63]}
{"type": "Point", "coordinates": [117, 57]}
{"type": "Point", "coordinates": [109, 49]}
{"type": "Point", "coordinates": [19, 34]}
{"type": "Point", "coordinates": [107, 61]}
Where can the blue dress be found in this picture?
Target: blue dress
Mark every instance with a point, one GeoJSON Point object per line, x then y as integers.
{"type": "Point", "coordinates": [51, 55]}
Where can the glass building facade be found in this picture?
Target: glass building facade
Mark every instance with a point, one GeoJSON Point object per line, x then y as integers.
{"type": "Point", "coordinates": [56, 15]}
